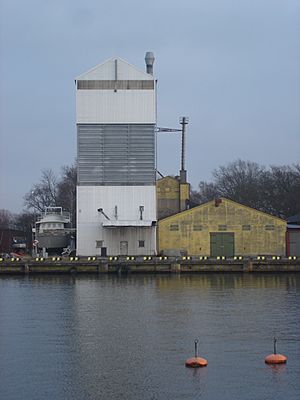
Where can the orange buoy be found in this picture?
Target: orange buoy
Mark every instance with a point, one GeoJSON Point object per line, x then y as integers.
{"type": "Point", "coordinates": [275, 358]}
{"type": "Point", "coordinates": [196, 362]}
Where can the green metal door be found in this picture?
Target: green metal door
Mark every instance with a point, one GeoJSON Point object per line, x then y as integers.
{"type": "Point", "coordinates": [222, 244]}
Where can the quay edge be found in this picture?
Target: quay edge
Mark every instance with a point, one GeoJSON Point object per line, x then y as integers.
{"type": "Point", "coordinates": [153, 265]}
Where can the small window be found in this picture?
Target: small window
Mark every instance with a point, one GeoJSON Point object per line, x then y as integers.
{"type": "Point", "coordinates": [269, 227]}
{"type": "Point", "coordinates": [246, 227]}
{"type": "Point", "coordinates": [99, 243]}
{"type": "Point", "coordinates": [174, 227]}
{"type": "Point", "coordinates": [197, 227]}
{"type": "Point", "coordinates": [141, 243]}
{"type": "Point", "coordinates": [222, 227]}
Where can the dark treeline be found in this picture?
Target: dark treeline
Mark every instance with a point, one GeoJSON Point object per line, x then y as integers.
{"type": "Point", "coordinates": [274, 190]}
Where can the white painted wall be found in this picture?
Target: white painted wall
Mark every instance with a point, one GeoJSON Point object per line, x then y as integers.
{"type": "Point", "coordinates": [127, 199]}
{"type": "Point", "coordinates": [110, 107]}
{"type": "Point", "coordinates": [123, 106]}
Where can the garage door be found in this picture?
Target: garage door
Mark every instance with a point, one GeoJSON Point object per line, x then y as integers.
{"type": "Point", "coordinates": [222, 244]}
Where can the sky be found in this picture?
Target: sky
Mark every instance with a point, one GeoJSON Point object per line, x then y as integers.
{"type": "Point", "coordinates": [231, 66]}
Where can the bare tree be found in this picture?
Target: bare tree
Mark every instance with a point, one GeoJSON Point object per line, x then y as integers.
{"type": "Point", "coordinates": [282, 190]}
{"type": "Point", "coordinates": [206, 192]}
{"type": "Point", "coordinates": [241, 181]}
{"type": "Point", "coordinates": [66, 190]}
{"type": "Point", "coordinates": [54, 191]}
{"type": "Point", "coordinates": [6, 218]}
{"type": "Point", "coordinates": [42, 194]}
{"type": "Point", "coordinates": [275, 190]}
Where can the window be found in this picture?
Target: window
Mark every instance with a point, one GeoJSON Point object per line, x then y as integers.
{"type": "Point", "coordinates": [141, 243]}
{"type": "Point", "coordinates": [246, 227]}
{"type": "Point", "coordinates": [222, 227]}
{"type": "Point", "coordinates": [99, 243]}
{"type": "Point", "coordinates": [174, 227]}
{"type": "Point", "coordinates": [197, 227]}
{"type": "Point", "coordinates": [269, 227]}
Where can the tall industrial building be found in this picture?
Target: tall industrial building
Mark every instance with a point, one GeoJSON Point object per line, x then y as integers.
{"type": "Point", "coordinates": [116, 120]}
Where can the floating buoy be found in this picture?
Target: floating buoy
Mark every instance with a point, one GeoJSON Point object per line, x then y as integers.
{"type": "Point", "coordinates": [275, 358]}
{"type": "Point", "coordinates": [196, 362]}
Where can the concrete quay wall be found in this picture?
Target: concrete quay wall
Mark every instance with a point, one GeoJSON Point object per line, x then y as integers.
{"type": "Point", "coordinates": [150, 265]}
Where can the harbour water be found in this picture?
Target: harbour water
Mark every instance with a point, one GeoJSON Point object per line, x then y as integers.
{"type": "Point", "coordinates": [127, 337]}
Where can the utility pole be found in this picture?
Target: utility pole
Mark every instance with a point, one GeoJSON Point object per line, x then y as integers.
{"type": "Point", "coordinates": [183, 121]}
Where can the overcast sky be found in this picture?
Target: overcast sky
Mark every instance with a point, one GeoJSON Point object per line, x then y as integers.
{"type": "Point", "coordinates": [232, 67]}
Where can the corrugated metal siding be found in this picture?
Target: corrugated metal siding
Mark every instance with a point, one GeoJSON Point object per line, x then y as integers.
{"type": "Point", "coordinates": [108, 106]}
{"type": "Point", "coordinates": [115, 85]}
{"type": "Point", "coordinates": [88, 235]}
{"type": "Point", "coordinates": [127, 199]}
{"type": "Point", "coordinates": [116, 154]}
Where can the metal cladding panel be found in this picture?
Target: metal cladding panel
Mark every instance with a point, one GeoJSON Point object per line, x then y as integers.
{"type": "Point", "coordinates": [107, 71]}
{"type": "Point", "coordinates": [89, 235]}
{"type": "Point", "coordinates": [122, 106]}
{"type": "Point", "coordinates": [112, 239]}
{"type": "Point", "coordinates": [116, 154]}
{"type": "Point", "coordinates": [127, 199]}
{"type": "Point", "coordinates": [117, 202]}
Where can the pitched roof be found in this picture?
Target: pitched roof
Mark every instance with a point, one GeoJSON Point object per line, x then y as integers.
{"type": "Point", "coordinates": [226, 200]}
{"type": "Point", "coordinates": [106, 71]}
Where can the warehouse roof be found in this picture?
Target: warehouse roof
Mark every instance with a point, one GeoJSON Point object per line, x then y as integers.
{"type": "Point", "coordinates": [217, 202]}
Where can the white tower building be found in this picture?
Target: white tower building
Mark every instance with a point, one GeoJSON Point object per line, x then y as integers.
{"type": "Point", "coordinates": [116, 119]}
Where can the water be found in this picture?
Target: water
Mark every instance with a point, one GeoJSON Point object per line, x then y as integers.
{"type": "Point", "coordinates": [112, 337]}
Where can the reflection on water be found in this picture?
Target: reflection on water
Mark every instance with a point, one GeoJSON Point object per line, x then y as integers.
{"type": "Point", "coordinates": [277, 370]}
{"type": "Point", "coordinates": [127, 337]}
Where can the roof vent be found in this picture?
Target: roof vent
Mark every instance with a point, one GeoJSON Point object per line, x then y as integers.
{"type": "Point", "coordinates": [149, 58]}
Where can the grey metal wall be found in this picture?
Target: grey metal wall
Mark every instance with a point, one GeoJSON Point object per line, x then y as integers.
{"type": "Point", "coordinates": [116, 154]}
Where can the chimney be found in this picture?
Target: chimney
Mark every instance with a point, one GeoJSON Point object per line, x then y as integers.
{"type": "Point", "coordinates": [149, 58]}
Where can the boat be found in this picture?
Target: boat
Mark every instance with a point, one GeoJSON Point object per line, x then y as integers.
{"type": "Point", "coordinates": [53, 230]}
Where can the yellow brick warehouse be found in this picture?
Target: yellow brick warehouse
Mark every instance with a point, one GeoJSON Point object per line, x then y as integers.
{"type": "Point", "coordinates": [222, 227]}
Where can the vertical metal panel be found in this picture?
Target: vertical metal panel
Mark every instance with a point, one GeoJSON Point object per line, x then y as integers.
{"type": "Point", "coordinates": [127, 199]}
{"type": "Point", "coordinates": [123, 106]}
